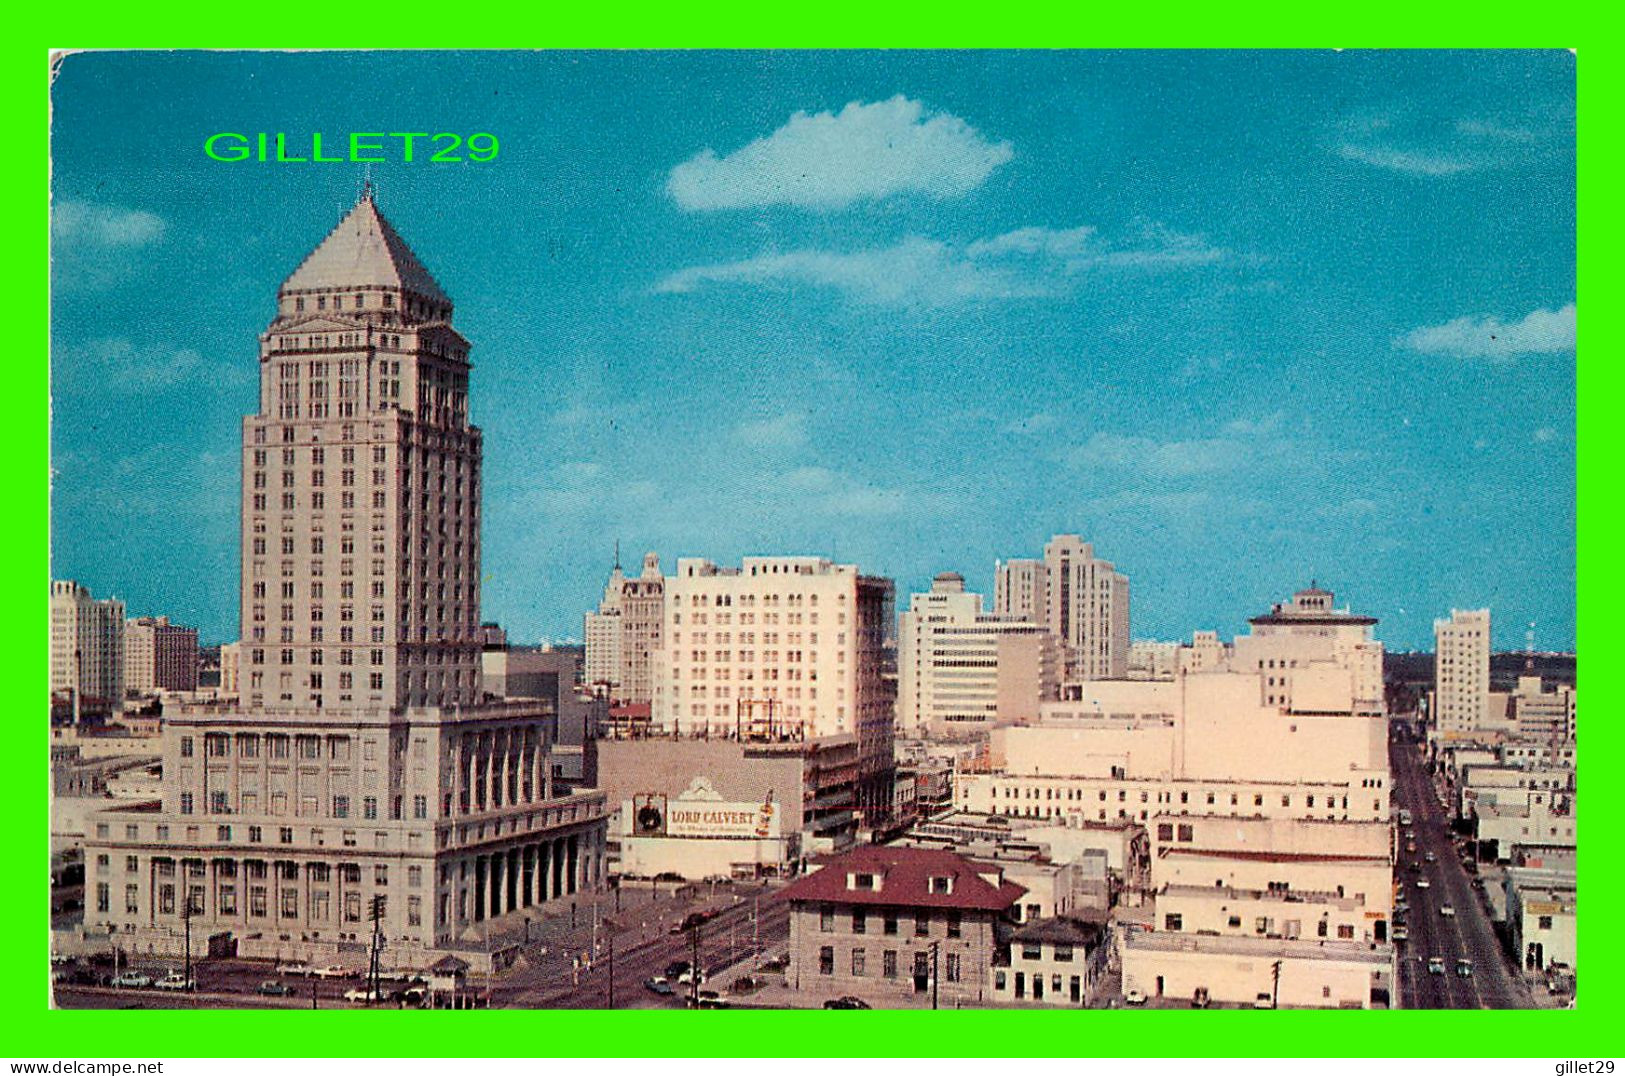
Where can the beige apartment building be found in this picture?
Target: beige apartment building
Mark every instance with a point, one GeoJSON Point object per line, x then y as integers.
{"type": "Point", "coordinates": [87, 644]}
{"type": "Point", "coordinates": [781, 647]}
{"type": "Point", "coordinates": [159, 656]}
{"type": "Point", "coordinates": [1461, 672]}
{"type": "Point", "coordinates": [359, 760]}
{"type": "Point", "coordinates": [960, 671]}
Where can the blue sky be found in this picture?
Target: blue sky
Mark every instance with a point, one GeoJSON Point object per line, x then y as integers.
{"type": "Point", "coordinates": [1240, 319]}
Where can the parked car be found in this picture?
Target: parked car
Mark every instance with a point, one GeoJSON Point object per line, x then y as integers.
{"type": "Point", "coordinates": [293, 967]}
{"type": "Point", "coordinates": [847, 1002]}
{"type": "Point", "coordinates": [1435, 965]}
{"type": "Point", "coordinates": [676, 968]}
{"type": "Point", "coordinates": [1447, 910]}
{"type": "Point", "coordinates": [692, 920]}
{"type": "Point", "coordinates": [275, 988]}
{"type": "Point", "coordinates": [1423, 883]}
{"type": "Point", "coordinates": [690, 974]}
{"type": "Point", "coordinates": [364, 993]}
{"type": "Point", "coordinates": [415, 994]}
{"type": "Point", "coordinates": [1263, 1001]}
{"type": "Point", "coordinates": [1464, 968]}
{"type": "Point", "coordinates": [746, 984]}
{"type": "Point", "coordinates": [658, 984]}
{"type": "Point", "coordinates": [1401, 934]}
{"type": "Point", "coordinates": [332, 971]}
{"type": "Point", "coordinates": [1200, 999]}
{"type": "Point", "coordinates": [1429, 857]}
{"type": "Point", "coordinates": [131, 978]}
{"type": "Point", "coordinates": [176, 981]}
{"type": "Point", "coordinates": [1134, 997]}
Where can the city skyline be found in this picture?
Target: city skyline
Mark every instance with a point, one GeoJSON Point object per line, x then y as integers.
{"type": "Point", "coordinates": [1279, 382]}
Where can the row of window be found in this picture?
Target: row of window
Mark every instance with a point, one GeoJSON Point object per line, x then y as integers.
{"type": "Point", "coordinates": [859, 919]}
{"type": "Point", "coordinates": [308, 807]}
{"type": "Point", "coordinates": [226, 902]}
{"type": "Point", "coordinates": [952, 966]}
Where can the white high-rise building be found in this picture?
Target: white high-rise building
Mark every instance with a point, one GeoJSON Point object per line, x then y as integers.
{"type": "Point", "coordinates": [1021, 591]}
{"type": "Point", "coordinates": [1461, 671]}
{"type": "Point", "coordinates": [960, 671]}
{"type": "Point", "coordinates": [1086, 607]}
{"type": "Point", "coordinates": [159, 656]}
{"type": "Point", "coordinates": [601, 629]}
{"type": "Point", "coordinates": [790, 647]}
{"type": "Point", "coordinates": [624, 633]}
{"type": "Point", "coordinates": [87, 643]}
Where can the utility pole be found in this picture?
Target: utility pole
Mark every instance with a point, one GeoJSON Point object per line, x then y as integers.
{"type": "Point", "coordinates": [612, 969]}
{"type": "Point", "coordinates": [375, 966]}
{"type": "Point", "coordinates": [936, 960]}
{"type": "Point", "coordinates": [694, 966]}
{"type": "Point", "coordinates": [1275, 988]}
{"type": "Point", "coordinates": [186, 921]}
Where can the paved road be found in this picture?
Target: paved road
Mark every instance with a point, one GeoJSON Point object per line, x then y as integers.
{"type": "Point", "coordinates": [541, 979]}
{"type": "Point", "coordinates": [1469, 933]}
{"type": "Point", "coordinates": [643, 949]}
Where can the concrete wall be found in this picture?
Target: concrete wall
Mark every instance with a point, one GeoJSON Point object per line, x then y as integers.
{"type": "Point", "coordinates": [1238, 978]}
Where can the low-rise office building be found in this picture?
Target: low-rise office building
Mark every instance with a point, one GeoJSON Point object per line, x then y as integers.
{"type": "Point", "coordinates": [812, 784]}
{"type": "Point", "coordinates": [1056, 962]}
{"type": "Point", "coordinates": [1261, 972]}
{"type": "Point", "coordinates": [890, 924]}
{"type": "Point", "coordinates": [1541, 907]}
{"type": "Point", "coordinates": [697, 834]}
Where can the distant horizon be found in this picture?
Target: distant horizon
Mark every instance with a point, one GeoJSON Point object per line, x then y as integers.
{"type": "Point", "coordinates": [1239, 319]}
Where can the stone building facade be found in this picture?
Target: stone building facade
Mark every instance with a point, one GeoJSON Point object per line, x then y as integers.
{"type": "Point", "coordinates": [360, 761]}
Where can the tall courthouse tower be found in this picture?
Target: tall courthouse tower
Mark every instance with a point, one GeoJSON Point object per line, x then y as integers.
{"type": "Point", "coordinates": [361, 486]}
{"type": "Point", "coordinates": [362, 759]}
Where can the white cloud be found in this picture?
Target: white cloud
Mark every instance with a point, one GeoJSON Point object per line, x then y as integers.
{"type": "Point", "coordinates": [1422, 145]}
{"type": "Point", "coordinates": [117, 364]}
{"type": "Point", "coordinates": [788, 430]}
{"type": "Point", "coordinates": [1544, 435]}
{"type": "Point", "coordinates": [1162, 459]}
{"type": "Point", "coordinates": [1541, 331]}
{"type": "Point", "coordinates": [1244, 427]}
{"type": "Point", "coordinates": [829, 160]}
{"type": "Point", "coordinates": [1416, 162]}
{"type": "Point", "coordinates": [1034, 423]}
{"type": "Point", "coordinates": [917, 272]}
{"type": "Point", "coordinates": [821, 491]}
{"type": "Point", "coordinates": [86, 224]}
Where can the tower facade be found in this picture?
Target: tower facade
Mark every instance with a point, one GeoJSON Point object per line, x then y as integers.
{"type": "Point", "coordinates": [359, 767]}
{"type": "Point", "coordinates": [87, 643]}
{"type": "Point", "coordinates": [361, 487]}
{"type": "Point", "coordinates": [1086, 606]}
{"type": "Point", "coordinates": [1461, 671]}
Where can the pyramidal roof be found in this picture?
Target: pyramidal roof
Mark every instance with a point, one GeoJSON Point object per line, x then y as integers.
{"type": "Point", "coordinates": [364, 249]}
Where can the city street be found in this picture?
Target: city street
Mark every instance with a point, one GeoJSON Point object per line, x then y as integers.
{"type": "Point", "coordinates": [562, 965]}
{"type": "Point", "coordinates": [1469, 932]}
{"type": "Point", "coordinates": [747, 923]}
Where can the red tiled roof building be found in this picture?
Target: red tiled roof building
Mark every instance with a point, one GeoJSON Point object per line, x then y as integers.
{"type": "Point", "coordinates": [879, 923]}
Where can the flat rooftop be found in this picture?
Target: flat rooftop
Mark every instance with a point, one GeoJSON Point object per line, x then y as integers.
{"type": "Point", "coordinates": [1163, 941]}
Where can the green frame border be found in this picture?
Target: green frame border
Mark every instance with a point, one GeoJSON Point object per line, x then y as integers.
{"type": "Point", "coordinates": [35, 1031]}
